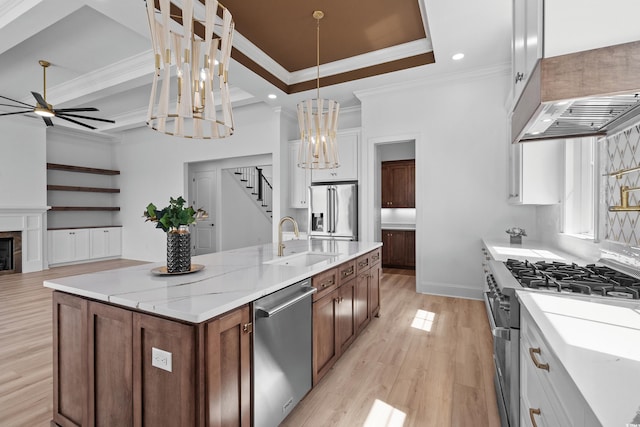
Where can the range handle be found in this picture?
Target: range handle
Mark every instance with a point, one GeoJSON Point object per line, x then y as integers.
{"type": "Point", "coordinates": [272, 311]}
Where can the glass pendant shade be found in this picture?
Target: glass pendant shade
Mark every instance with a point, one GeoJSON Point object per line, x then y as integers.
{"type": "Point", "coordinates": [190, 94]}
{"type": "Point", "coordinates": [318, 121]}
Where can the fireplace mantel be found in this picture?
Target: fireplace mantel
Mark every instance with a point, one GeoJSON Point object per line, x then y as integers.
{"type": "Point", "coordinates": [31, 221]}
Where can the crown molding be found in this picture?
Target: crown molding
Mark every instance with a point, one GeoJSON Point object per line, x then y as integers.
{"type": "Point", "coordinates": [94, 135]}
{"type": "Point", "coordinates": [503, 69]}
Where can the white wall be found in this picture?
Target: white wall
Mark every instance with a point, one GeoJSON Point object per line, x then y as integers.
{"type": "Point", "coordinates": [459, 125]}
{"type": "Point", "coordinates": [154, 167]}
{"type": "Point", "coordinates": [242, 222]}
{"type": "Point", "coordinates": [23, 158]}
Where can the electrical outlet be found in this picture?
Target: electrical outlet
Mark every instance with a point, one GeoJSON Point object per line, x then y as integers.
{"type": "Point", "coordinates": [161, 359]}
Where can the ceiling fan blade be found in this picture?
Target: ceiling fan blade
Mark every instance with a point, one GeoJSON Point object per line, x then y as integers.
{"type": "Point", "coordinates": [69, 110]}
{"type": "Point", "coordinates": [15, 106]}
{"type": "Point", "coordinates": [16, 112]}
{"type": "Point", "coordinates": [83, 117]}
{"type": "Point", "coordinates": [16, 101]}
{"type": "Point", "coordinates": [76, 122]}
{"type": "Point", "coordinates": [40, 99]}
{"type": "Point", "coordinates": [47, 121]}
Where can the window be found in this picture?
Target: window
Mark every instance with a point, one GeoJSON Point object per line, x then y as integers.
{"type": "Point", "coordinates": [580, 186]}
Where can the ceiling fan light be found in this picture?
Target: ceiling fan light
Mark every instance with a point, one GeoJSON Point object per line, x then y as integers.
{"type": "Point", "coordinates": [43, 112]}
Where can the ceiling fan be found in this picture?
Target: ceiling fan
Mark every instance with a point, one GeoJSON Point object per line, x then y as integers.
{"type": "Point", "coordinates": [46, 111]}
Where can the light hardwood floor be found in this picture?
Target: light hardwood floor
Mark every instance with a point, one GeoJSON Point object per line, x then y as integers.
{"type": "Point", "coordinates": [425, 362]}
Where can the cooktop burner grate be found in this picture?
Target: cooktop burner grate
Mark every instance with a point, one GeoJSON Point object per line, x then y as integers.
{"type": "Point", "coordinates": [590, 279]}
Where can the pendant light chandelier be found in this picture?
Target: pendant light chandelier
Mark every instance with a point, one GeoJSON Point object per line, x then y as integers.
{"type": "Point", "coordinates": [318, 121]}
{"type": "Point", "coordinates": [189, 68]}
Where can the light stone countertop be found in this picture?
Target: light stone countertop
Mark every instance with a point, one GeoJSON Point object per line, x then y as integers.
{"type": "Point", "coordinates": [394, 226]}
{"type": "Point", "coordinates": [229, 279]}
{"type": "Point", "coordinates": [598, 343]}
{"type": "Point", "coordinates": [531, 250]}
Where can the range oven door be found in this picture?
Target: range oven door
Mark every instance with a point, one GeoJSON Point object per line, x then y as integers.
{"type": "Point", "coordinates": [506, 360]}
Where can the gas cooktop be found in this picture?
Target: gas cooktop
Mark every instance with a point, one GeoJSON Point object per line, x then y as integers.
{"type": "Point", "coordinates": [591, 279]}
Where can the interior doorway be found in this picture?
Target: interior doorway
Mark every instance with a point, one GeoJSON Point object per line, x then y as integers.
{"type": "Point", "coordinates": [203, 195]}
{"type": "Point", "coordinates": [396, 190]}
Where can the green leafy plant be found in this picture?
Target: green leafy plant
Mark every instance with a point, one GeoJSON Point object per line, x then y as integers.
{"type": "Point", "coordinates": [174, 215]}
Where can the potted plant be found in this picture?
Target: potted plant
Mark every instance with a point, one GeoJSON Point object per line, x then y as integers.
{"type": "Point", "coordinates": [174, 220]}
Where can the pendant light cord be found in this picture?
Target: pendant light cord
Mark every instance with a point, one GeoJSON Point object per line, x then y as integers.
{"type": "Point", "coordinates": [318, 14]}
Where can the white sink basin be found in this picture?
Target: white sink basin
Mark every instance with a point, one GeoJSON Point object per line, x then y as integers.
{"type": "Point", "coordinates": [303, 259]}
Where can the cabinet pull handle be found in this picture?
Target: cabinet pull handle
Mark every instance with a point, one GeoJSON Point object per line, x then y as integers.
{"type": "Point", "coordinates": [363, 263]}
{"type": "Point", "coordinates": [532, 413]}
{"type": "Point", "coordinates": [375, 257]}
{"type": "Point", "coordinates": [347, 272]}
{"type": "Point", "coordinates": [327, 283]}
{"type": "Point", "coordinates": [247, 328]}
{"type": "Point", "coordinates": [532, 353]}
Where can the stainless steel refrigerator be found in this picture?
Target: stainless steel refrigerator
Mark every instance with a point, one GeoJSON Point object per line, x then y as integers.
{"type": "Point", "coordinates": [333, 211]}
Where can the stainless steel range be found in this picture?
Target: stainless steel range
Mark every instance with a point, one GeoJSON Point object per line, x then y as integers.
{"type": "Point", "coordinates": [502, 279]}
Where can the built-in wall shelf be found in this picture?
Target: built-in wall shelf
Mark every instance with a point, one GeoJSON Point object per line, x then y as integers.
{"type": "Point", "coordinates": [84, 208]}
{"type": "Point", "coordinates": [82, 169]}
{"type": "Point", "coordinates": [87, 189]}
{"type": "Point", "coordinates": [81, 228]}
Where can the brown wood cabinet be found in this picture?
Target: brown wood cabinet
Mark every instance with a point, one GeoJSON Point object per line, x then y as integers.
{"type": "Point", "coordinates": [398, 184]}
{"type": "Point", "coordinates": [103, 373]}
{"type": "Point", "coordinates": [342, 311]}
{"type": "Point", "coordinates": [399, 248]}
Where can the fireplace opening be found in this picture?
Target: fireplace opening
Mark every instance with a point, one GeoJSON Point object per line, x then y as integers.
{"type": "Point", "coordinates": [10, 252]}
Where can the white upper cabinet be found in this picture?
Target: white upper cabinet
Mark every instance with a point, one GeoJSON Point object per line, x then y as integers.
{"type": "Point", "coordinates": [299, 179]}
{"type": "Point", "coordinates": [526, 43]}
{"type": "Point", "coordinates": [535, 172]}
{"type": "Point", "coordinates": [348, 158]}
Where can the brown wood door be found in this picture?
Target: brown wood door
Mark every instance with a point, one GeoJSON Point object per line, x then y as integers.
{"type": "Point", "coordinates": [374, 289]}
{"type": "Point", "coordinates": [395, 250]}
{"type": "Point", "coordinates": [362, 311]}
{"type": "Point", "coordinates": [110, 360]}
{"type": "Point", "coordinates": [325, 337]}
{"type": "Point", "coordinates": [161, 397]}
{"type": "Point", "coordinates": [70, 406]}
{"type": "Point", "coordinates": [228, 369]}
{"type": "Point", "coordinates": [346, 310]}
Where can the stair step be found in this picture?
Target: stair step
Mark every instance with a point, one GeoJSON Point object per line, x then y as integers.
{"type": "Point", "coordinates": [238, 173]}
{"type": "Point", "coordinates": [250, 188]}
{"type": "Point", "coordinates": [244, 180]}
{"type": "Point", "coordinates": [269, 211]}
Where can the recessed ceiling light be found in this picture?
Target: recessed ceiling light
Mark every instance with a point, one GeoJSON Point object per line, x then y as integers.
{"type": "Point", "coordinates": [457, 56]}
{"type": "Point", "coordinates": [272, 96]}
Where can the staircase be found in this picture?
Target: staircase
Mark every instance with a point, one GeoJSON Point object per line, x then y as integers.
{"type": "Point", "coordinates": [257, 187]}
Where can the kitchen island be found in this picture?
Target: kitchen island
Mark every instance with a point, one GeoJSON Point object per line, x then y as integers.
{"type": "Point", "coordinates": [135, 348]}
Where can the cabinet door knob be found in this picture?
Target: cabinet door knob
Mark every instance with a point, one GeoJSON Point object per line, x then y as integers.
{"type": "Point", "coordinates": [519, 77]}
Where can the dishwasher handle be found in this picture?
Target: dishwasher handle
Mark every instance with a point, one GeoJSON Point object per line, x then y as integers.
{"type": "Point", "coordinates": [272, 311]}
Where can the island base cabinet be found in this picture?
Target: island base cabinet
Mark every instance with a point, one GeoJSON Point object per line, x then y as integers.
{"type": "Point", "coordinates": [228, 362]}
{"type": "Point", "coordinates": [325, 335]}
{"type": "Point", "coordinates": [163, 395]}
{"type": "Point", "coordinates": [104, 373]}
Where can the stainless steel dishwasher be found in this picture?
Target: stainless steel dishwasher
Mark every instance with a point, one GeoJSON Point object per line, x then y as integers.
{"type": "Point", "coordinates": [281, 352]}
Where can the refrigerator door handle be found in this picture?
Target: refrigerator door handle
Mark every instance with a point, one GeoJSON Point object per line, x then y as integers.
{"type": "Point", "coordinates": [332, 210]}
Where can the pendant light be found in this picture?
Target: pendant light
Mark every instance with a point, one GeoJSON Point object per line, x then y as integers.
{"type": "Point", "coordinates": [318, 121]}
{"type": "Point", "coordinates": [190, 95]}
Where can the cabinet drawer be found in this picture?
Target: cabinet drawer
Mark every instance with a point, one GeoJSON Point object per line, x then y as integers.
{"type": "Point", "coordinates": [324, 282]}
{"type": "Point", "coordinates": [539, 362]}
{"type": "Point", "coordinates": [346, 272]}
{"type": "Point", "coordinates": [363, 263]}
{"type": "Point", "coordinates": [375, 256]}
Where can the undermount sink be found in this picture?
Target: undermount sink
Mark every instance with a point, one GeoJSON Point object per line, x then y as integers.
{"type": "Point", "coordinates": [303, 259]}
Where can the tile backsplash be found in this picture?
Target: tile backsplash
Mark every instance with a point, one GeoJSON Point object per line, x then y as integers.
{"type": "Point", "coordinates": [622, 152]}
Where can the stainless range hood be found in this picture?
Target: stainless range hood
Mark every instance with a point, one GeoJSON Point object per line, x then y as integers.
{"type": "Point", "coordinates": [587, 93]}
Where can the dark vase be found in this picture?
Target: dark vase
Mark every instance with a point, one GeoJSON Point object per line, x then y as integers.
{"type": "Point", "coordinates": [178, 250]}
